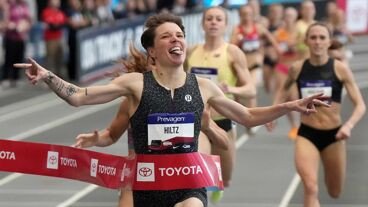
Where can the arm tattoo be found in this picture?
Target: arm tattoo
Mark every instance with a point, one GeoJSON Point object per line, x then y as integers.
{"type": "Point", "coordinates": [60, 87]}
{"type": "Point", "coordinates": [70, 90]}
{"type": "Point", "coordinates": [49, 77]}
{"type": "Point", "coordinates": [86, 91]}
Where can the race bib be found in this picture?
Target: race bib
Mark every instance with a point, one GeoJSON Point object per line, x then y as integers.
{"type": "Point", "coordinates": [251, 45]}
{"type": "Point", "coordinates": [309, 88]}
{"type": "Point", "coordinates": [209, 73]}
{"type": "Point", "coordinates": [170, 131]}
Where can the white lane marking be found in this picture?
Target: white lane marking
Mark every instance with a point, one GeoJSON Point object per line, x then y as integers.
{"type": "Point", "coordinates": [78, 195]}
{"type": "Point", "coordinates": [289, 193]}
{"type": "Point", "coordinates": [53, 124]}
{"type": "Point", "coordinates": [244, 137]}
{"type": "Point", "coordinates": [9, 178]}
{"type": "Point", "coordinates": [28, 110]}
{"type": "Point", "coordinates": [39, 99]}
{"type": "Point", "coordinates": [61, 121]}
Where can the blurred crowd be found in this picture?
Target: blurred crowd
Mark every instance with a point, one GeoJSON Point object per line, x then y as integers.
{"type": "Point", "coordinates": [18, 16]}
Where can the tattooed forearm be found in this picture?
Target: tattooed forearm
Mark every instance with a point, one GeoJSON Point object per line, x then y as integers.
{"type": "Point", "coordinates": [63, 89]}
{"type": "Point", "coordinates": [49, 78]}
{"type": "Point", "coordinates": [70, 90]}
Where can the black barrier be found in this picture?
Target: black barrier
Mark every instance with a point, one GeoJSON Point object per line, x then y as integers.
{"type": "Point", "coordinates": [99, 47]}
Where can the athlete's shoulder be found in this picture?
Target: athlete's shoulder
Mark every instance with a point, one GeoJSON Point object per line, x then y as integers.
{"type": "Point", "coordinates": [133, 76]}
{"type": "Point", "coordinates": [204, 82]}
{"type": "Point", "coordinates": [342, 70]}
{"type": "Point", "coordinates": [193, 48]}
{"type": "Point", "coordinates": [298, 64]}
{"type": "Point", "coordinates": [233, 49]}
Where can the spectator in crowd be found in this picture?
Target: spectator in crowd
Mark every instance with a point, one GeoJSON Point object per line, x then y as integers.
{"type": "Point", "coordinates": [4, 9]}
{"type": "Point", "coordinates": [76, 21]}
{"type": "Point", "coordinates": [130, 11]}
{"type": "Point", "coordinates": [179, 6]}
{"type": "Point", "coordinates": [104, 11]}
{"type": "Point", "coordinates": [151, 6]}
{"type": "Point", "coordinates": [16, 33]}
{"type": "Point", "coordinates": [54, 20]}
{"type": "Point", "coordinates": [164, 5]}
{"type": "Point", "coordinates": [141, 6]}
{"type": "Point", "coordinates": [89, 12]}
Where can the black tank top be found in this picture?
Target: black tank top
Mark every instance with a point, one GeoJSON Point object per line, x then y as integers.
{"type": "Point", "coordinates": [315, 79]}
{"type": "Point", "coordinates": [156, 102]}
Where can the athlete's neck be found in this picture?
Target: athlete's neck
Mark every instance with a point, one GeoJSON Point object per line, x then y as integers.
{"type": "Point", "coordinates": [213, 43]}
{"type": "Point", "coordinates": [290, 27]}
{"type": "Point", "coordinates": [318, 60]}
{"type": "Point", "coordinates": [247, 23]}
{"type": "Point", "coordinates": [308, 20]}
{"type": "Point", "coordinates": [170, 78]}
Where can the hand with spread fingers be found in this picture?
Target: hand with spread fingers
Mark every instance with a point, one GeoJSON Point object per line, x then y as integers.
{"type": "Point", "coordinates": [308, 105]}
{"type": "Point", "coordinates": [33, 70]}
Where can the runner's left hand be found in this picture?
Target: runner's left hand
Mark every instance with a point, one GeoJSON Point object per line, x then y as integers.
{"type": "Point", "coordinates": [308, 105]}
{"type": "Point", "coordinates": [343, 133]}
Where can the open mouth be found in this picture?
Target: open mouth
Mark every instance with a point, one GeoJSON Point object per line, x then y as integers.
{"type": "Point", "coordinates": [176, 50]}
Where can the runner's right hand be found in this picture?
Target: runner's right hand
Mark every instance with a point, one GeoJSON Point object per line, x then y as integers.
{"type": "Point", "coordinates": [86, 140]}
{"type": "Point", "coordinates": [33, 70]}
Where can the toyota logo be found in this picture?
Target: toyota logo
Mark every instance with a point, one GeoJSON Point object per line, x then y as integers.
{"type": "Point", "coordinates": [145, 171]}
{"type": "Point", "coordinates": [52, 159]}
{"type": "Point", "coordinates": [94, 166]}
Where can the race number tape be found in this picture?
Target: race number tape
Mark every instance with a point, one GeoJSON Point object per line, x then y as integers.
{"type": "Point", "coordinates": [142, 172]}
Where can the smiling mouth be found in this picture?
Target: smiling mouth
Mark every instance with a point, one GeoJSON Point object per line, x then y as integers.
{"type": "Point", "coordinates": [176, 50]}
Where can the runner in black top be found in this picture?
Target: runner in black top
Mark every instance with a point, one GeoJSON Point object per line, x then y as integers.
{"type": "Point", "coordinates": [322, 135]}
{"type": "Point", "coordinates": [166, 48]}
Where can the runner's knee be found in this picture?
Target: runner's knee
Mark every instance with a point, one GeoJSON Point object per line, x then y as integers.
{"type": "Point", "coordinates": [311, 187]}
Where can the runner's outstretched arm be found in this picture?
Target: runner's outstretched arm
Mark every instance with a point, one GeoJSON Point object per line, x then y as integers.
{"type": "Point", "coordinates": [77, 96]}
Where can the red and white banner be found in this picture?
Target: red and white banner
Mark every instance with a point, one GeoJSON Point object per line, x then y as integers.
{"type": "Point", "coordinates": [154, 172]}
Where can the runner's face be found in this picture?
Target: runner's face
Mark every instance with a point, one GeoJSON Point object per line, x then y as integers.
{"type": "Point", "coordinates": [318, 40]}
{"type": "Point", "coordinates": [290, 16]}
{"type": "Point", "coordinates": [308, 10]}
{"type": "Point", "coordinates": [246, 14]}
{"type": "Point", "coordinates": [169, 45]}
{"type": "Point", "coordinates": [214, 23]}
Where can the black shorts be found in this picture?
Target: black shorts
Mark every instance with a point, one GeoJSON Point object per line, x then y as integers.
{"type": "Point", "coordinates": [320, 138]}
{"type": "Point", "coordinates": [143, 198]}
{"type": "Point", "coordinates": [225, 124]}
{"type": "Point", "coordinates": [269, 61]}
